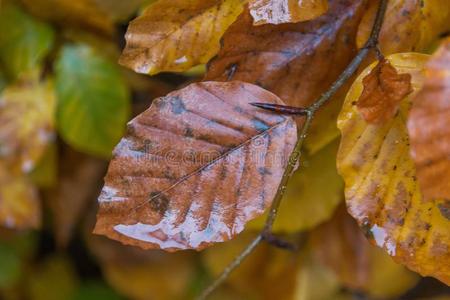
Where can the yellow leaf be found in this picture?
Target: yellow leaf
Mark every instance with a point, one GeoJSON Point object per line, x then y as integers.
{"type": "Point", "coordinates": [381, 190]}
{"type": "Point", "coordinates": [306, 202]}
{"type": "Point", "coordinates": [410, 25]}
{"type": "Point", "coordinates": [286, 11]}
{"type": "Point", "coordinates": [175, 35]}
{"type": "Point", "coordinates": [19, 202]}
{"type": "Point", "coordinates": [27, 111]}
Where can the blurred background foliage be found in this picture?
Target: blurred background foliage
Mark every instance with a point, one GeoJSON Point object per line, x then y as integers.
{"type": "Point", "coordinates": [64, 104]}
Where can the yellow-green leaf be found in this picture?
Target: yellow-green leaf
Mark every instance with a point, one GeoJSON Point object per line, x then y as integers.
{"type": "Point", "coordinates": [381, 189]}
{"type": "Point", "coordinates": [175, 35]}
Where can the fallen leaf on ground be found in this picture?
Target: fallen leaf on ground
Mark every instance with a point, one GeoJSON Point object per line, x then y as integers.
{"type": "Point", "coordinates": [383, 91]}
{"type": "Point", "coordinates": [286, 11]}
{"type": "Point", "coordinates": [340, 245]}
{"type": "Point", "coordinates": [19, 203]}
{"type": "Point", "coordinates": [297, 62]}
{"type": "Point", "coordinates": [84, 14]}
{"type": "Point", "coordinates": [409, 25]}
{"type": "Point", "coordinates": [195, 167]}
{"type": "Point", "coordinates": [429, 128]}
{"type": "Point", "coordinates": [175, 35]}
{"type": "Point", "coordinates": [306, 203]}
{"type": "Point", "coordinates": [27, 111]}
{"type": "Point", "coordinates": [382, 192]}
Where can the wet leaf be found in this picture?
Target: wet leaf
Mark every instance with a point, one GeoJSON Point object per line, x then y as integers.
{"type": "Point", "coordinates": [382, 193]}
{"type": "Point", "coordinates": [24, 42]}
{"type": "Point", "coordinates": [286, 11]}
{"type": "Point", "coordinates": [93, 100]}
{"type": "Point", "coordinates": [384, 89]}
{"type": "Point", "coordinates": [19, 202]}
{"type": "Point", "coordinates": [409, 25]}
{"type": "Point", "coordinates": [429, 129]}
{"type": "Point", "coordinates": [359, 266]}
{"type": "Point", "coordinates": [83, 14]}
{"type": "Point", "coordinates": [27, 119]}
{"type": "Point", "coordinates": [297, 62]}
{"type": "Point", "coordinates": [306, 202]}
{"type": "Point", "coordinates": [175, 35]}
{"type": "Point", "coordinates": [195, 167]}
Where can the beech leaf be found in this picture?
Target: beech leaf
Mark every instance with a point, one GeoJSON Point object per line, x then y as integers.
{"type": "Point", "coordinates": [409, 25]}
{"type": "Point", "coordinates": [93, 100]}
{"type": "Point", "coordinates": [297, 62]}
{"type": "Point", "coordinates": [175, 35]}
{"type": "Point", "coordinates": [429, 128]}
{"type": "Point", "coordinates": [195, 167]}
{"type": "Point", "coordinates": [286, 11]}
{"type": "Point", "coordinates": [383, 91]}
{"type": "Point", "coordinates": [381, 189]}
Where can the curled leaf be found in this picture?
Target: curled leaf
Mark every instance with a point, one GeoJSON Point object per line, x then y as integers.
{"type": "Point", "coordinates": [298, 61]}
{"type": "Point", "coordinates": [429, 128]}
{"type": "Point", "coordinates": [175, 35]}
{"type": "Point", "coordinates": [195, 167]}
{"type": "Point", "coordinates": [27, 111]}
{"type": "Point", "coordinates": [384, 89]}
{"type": "Point", "coordinates": [381, 190]}
{"type": "Point", "coordinates": [409, 25]}
{"type": "Point", "coordinates": [286, 11]}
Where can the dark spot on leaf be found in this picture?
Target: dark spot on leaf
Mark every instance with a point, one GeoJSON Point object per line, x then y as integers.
{"type": "Point", "coordinates": [259, 125]}
{"type": "Point", "coordinates": [188, 132]}
{"type": "Point", "coordinates": [158, 202]}
{"type": "Point", "coordinates": [177, 105]}
{"type": "Point", "coordinates": [264, 171]}
{"type": "Point", "coordinates": [444, 208]}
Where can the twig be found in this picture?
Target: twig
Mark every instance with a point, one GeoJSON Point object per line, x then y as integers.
{"type": "Point", "coordinates": [372, 43]}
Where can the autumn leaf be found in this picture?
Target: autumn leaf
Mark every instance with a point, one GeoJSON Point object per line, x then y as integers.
{"type": "Point", "coordinates": [195, 167]}
{"type": "Point", "coordinates": [359, 266]}
{"type": "Point", "coordinates": [83, 14]}
{"type": "Point", "coordinates": [286, 11]}
{"type": "Point", "coordinates": [27, 116]}
{"type": "Point", "coordinates": [429, 129]}
{"type": "Point", "coordinates": [409, 25]}
{"type": "Point", "coordinates": [19, 202]}
{"type": "Point", "coordinates": [93, 100]}
{"type": "Point", "coordinates": [298, 61]}
{"type": "Point", "coordinates": [175, 35]}
{"type": "Point", "coordinates": [382, 193]}
{"type": "Point", "coordinates": [24, 42]}
{"type": "Point", "coordinates": [306, 203]}
{"type": "Point", "coordinates": [383, 91]}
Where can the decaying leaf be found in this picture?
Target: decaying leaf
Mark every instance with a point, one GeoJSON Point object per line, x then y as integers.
{"type": "Point", "coordinates": [306, 203]}
{"type": "Point", "coordinates": [195, 167]}
{"type": "Point", "coordinates": [382, 193]}
{"type": "Point", "coordinates": [19, 202]}
{"type": "Point", "coordinates": [27, 119]}
{"type": "Point", "coordinates": [429, 129]}
{"type": "Point", "coordinates": [298, 61]}
{"type": "Point", "coordinates": [286, 11]}
{"type": "Point", "coordinates": [383, 91]}
{"type": "Point", "coordinates": [175, 35]}
{"type": "Point", "coordinates": [83, 14]}
{"type": "Point", "coordinates": [359, 266]}
{"type": "Point", "coordinates": [409, 25]}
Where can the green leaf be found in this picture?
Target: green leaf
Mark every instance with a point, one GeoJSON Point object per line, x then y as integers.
{"type": "Point", "coordinates": [10, 269]}
{"type": "Point", "coordinates": [96, 290]}
{"type": "Point", "coordinates": [93, 100]}
{"type": "Point", "coordinates": [24, 41]}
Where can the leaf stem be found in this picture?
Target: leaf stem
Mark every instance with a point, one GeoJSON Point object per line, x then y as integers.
{"type": "Point", "coordinates": [371, 43]}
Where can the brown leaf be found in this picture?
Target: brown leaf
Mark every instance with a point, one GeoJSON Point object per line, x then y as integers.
{"type": "Point", "coordinates": [384, 89]}
{"type": "Point", "coordinates": [429, 128]}
{"type": "Point", "coordinates": [298, 61]}
{"type": "Point", "coordinates": [195, 167]}
{"type": "Point", "coordinates": [286, 11]}
{"type": "Point", "coordinates": [340, 245]}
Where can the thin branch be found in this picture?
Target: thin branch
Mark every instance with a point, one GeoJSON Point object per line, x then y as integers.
{"type": "Point", "coordinates": [372, 43]}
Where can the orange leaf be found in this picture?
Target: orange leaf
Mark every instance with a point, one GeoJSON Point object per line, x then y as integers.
{"type": "Point", "coordinates": [384, 89]}
{"type": "Point", "coordinates": [298, 61]}
{"type": "Point", "coordinates": [195, 167]}
{"type": "Point", "coordinates": [286, 11]}
{"type": "Point", "coordinates": [429, 129]}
